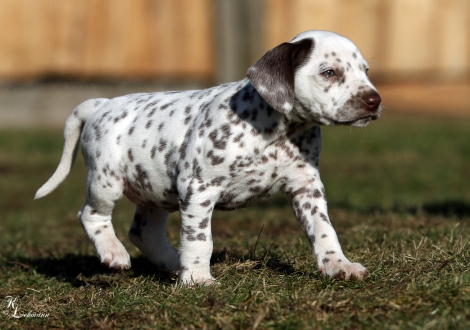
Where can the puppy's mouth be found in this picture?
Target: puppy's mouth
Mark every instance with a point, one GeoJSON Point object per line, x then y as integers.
{"type": "Point", "coordinates": [359, 121]}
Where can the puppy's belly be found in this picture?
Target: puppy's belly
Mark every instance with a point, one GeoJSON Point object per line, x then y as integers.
{"type": "Point", "coordinates": [245, 196]}
{"type": "Point", "coordinates": [154, 197]}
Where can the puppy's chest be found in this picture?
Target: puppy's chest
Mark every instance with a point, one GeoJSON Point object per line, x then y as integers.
{"type": "Point", "coordinates": [259, 176]}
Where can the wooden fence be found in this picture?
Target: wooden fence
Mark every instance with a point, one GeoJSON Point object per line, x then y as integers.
{"type": "Point", "coordinates": [185, 38]}
{"type": "Point", "coordinates": [400, 38]}
{"type": "Point", "coordinates": [106, 38]}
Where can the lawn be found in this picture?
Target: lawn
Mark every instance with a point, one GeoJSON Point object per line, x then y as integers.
{"type": "Point", "coordinates": [398, 195]}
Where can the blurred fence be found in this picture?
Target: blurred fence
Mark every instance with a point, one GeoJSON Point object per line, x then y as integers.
{"type": "Point", "coordinates": [106, 38]}
{"type": "Point", "coordinates": [400, 38]}
{"type": "Point", "coordinates": [198, 38]}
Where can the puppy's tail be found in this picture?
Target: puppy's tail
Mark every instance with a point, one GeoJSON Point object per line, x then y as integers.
{"type": "Point", "coordinates": [73, 129]}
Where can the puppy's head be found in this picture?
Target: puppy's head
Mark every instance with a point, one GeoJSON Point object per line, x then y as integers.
{"type": "Point", "coordinates": [318, 77]}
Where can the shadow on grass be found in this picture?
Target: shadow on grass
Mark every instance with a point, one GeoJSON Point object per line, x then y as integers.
{"type": "Point", "coordinates": [264, 260]}
{"type": "Point", "coordinates": [79, 270]}
{"type": "Point", "coordinates": [450, 208]}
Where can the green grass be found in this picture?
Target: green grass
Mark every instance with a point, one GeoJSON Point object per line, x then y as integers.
{"type": "Point", "coordinates": [399, 198]}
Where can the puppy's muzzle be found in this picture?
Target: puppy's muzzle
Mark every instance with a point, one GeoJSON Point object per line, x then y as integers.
{"type": "Point", "coordinates": [372, 101]}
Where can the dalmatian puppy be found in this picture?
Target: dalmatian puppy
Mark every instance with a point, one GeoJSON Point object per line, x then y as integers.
{"type": "Point", "coordinates": [220, 148]}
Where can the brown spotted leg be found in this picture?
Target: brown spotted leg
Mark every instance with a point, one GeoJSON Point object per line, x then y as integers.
{"type": "Point", "coordinates": [148, 233]}
{"type": "Point", "coordinates": [309, 206]}
{"type": "Point", "coordinates": [95, 217]}
{"type": "Point", "coordinates": [196, 239]}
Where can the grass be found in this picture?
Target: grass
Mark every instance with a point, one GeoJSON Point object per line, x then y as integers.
{"type": "Point", "coordinates": [398, 197]}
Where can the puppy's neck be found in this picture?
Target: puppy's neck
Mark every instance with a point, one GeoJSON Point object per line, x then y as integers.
{"type": "Point", "coordinates": [249, 108]}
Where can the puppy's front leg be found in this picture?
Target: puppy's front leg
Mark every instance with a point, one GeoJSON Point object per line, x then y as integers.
{"type": "Point", "coordinates": [196, 244]}
{"type": "Point", "coordinates": [309, 204]}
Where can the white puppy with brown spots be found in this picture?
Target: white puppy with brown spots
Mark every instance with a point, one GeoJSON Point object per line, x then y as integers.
{"type": "Point", "coordinates": [220, 148]}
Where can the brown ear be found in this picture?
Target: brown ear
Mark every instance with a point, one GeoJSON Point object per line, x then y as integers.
{"type": "Point", "coordinates": [273, 74]}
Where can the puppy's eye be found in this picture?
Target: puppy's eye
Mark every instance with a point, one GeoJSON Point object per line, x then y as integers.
{"type": "Point", "coordinates": [328, 73]}
{"type": "Point", "coordinates": [367, 71]}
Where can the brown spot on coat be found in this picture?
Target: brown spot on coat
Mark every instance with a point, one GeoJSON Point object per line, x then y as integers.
{"type": "Point", "coordinates": [130, 155]}
{"type": "Point", "coordinates": [201, 237]}
{"type": "Point", "coordinates": [203, 224]}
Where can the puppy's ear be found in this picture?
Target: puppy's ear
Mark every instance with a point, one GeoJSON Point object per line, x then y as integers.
{"type": "Point", "coordinates": [273, 74]}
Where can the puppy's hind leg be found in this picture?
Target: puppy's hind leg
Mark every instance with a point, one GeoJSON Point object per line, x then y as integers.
{"type": "Point", "coordinates": [148, 233]}
{"type": "Point", "coordinates": [95, 217]}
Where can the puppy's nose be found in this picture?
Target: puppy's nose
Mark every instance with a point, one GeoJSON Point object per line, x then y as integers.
{"type": "Point", "coordinates": [372, 100]}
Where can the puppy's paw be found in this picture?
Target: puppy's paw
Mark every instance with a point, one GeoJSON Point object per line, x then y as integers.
{"type": "Point", "coordinates": [114, 256]}
{"type": "Point", "coordinates": [343, 270]}
{"type": "Point", "coordinates": [192, 280]}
